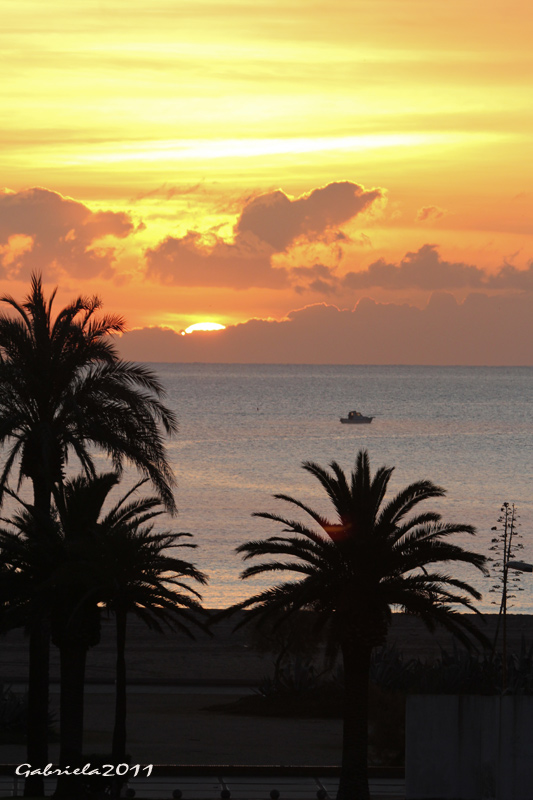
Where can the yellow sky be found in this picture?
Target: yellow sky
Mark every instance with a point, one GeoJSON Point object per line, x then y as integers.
{"type": "Point", "coordinates": [165, 122]}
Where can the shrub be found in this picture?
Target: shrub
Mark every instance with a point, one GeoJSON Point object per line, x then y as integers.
{"type": "Point", "coordinates": [13, 716]}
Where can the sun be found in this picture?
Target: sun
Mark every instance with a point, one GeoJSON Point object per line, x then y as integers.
{"type": "Point", "coordinates": [203, 326]}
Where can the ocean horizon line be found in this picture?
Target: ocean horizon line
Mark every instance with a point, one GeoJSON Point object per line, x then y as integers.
{"type": "Point", "coordinates": [332, 365]}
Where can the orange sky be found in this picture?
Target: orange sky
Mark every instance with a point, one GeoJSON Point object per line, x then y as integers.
{"type": "Point", "coordinates": [230, 161]}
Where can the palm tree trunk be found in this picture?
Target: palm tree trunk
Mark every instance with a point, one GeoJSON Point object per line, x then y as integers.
{"type": "Point", "coordinates": [119, 731]}
{"type": "Point", "coordinates": [37, 734]}
{"type": "Point", "coordinates": [72, 659]}
{"type": "Point", "coordinates": [353, 784]}
{"type": "Point", "coordinates": [38, 675]}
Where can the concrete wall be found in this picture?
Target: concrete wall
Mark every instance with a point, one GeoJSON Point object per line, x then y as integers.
{"type": "Point", "coordinates": [468, 747]}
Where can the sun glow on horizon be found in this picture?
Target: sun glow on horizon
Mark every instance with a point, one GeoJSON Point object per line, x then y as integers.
{"type": "Point", "coordinates": [203, 326]}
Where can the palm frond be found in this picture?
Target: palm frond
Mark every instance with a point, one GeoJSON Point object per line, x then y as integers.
{"type": "Point", "coordinates": [293, 526]}
{"type": "Point", "coordinates": [69, 366]}
{"type": "Point", "coordinates": [318, 518]}
{"type": "Point", "coordinates": [377, 556]}
{"type": "Point", "coordinates": [406, 500]}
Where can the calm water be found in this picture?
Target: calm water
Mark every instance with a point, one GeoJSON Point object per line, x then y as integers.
{"type": "Point", "coordinates": [245, 429]}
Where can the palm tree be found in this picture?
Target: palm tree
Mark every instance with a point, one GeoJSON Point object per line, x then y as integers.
{"type": "Point", "coordinates": [68, 568]}
{"type": "Point", "coordinates": [63, 390]}
{"type": "Point", "coordinates": [30, 550]}
{"type": "Point", "coordinates": [75, 584]}
{"type": "Point", "coordinates": [55, 565]}
{"type": "Point", "coordinates": [140, 577]}
{"type": "Point", "coordinates": [372, 557]}
{"type": "Point", "coordinates": [117, 559]}
{"type": "Point", "coordinates": [34, 552]}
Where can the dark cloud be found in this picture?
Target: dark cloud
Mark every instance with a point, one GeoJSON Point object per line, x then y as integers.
{"type": "Point", "coordinates": [426, 270]}
{"type": "Point", "coordinates": [276, 219]}
{"type": "Point", "coordinates": [268, 224]}
{"type": "Point", "coordinates": [42, 230]}
{"type": "Point", "coordinates": [196, 260]}
{"type": "Point", "coordinates": [317, 270]}
{"type": "Point", "coordinates": [363, 240]}
{"type": "Point", "coordinates": [509, 277]}
{"type": "Point", "coordinates": [430, 213]}
{"type": "Point", "coordinates": [483, 329]}
{"type": "Point", "coordinates": [323, 287]}
{"type": "Point", "coordinates": [421, 270]}
{"type": "Point", "coordinates": [318, 278]}
{"type": "Point", "coordinates": [168, 192]}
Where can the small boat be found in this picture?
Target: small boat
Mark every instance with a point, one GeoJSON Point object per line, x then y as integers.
{"type": "Point", "coordinates": [356, 418]}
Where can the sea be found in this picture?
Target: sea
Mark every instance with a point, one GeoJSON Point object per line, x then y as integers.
{"type": "Point", "coordinates": [245, 429]}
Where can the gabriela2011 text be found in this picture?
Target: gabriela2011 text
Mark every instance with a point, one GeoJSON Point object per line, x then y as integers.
{"type": "Point", "coordinates": [107, 770]}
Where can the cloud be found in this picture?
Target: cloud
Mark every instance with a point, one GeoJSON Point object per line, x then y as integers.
{"type": "Point", "coordinates": [167, 192]}
{"type": "Point", "coordinates": [509, 277]}
{"type": "Point", "coordinates": [267, 226]}
{"type": "Point", "coordinates": [483, 329]}
{"type": "Point", "coordinates": [426, 270]}
{"type": "Point", "coordinates": [430, 213]}
{"type": "Point", "coordinates": [423, 269]}
{"type": "Point", "coordinates": [318, 278]}
{"type": "Point", "coordinates": [277, 220]}
{"type": "Point", "coordinates": [42, 230]}
{"type": "Point", "coordinates": [196, 260]}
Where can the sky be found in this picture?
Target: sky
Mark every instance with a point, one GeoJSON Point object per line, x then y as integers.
{"type": "Point", "coordinates": [335, 182]}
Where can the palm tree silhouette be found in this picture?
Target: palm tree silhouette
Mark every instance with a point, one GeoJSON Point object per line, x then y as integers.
{"type": "Point", "coordinates": [81, 559]}
{"type": "Point", "coordinates": [75, 585]}
{"type": "Point", "coordinates": [63, 390]}
{"type": "Point", "coordinates": [56, 580]}
{"type": "Point", "coordinates": [138, 575]}
{"type": "Point", "coordinates": [372, 557]}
